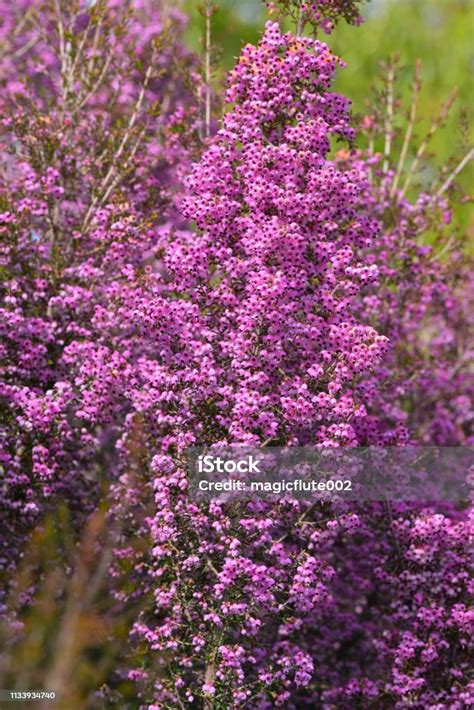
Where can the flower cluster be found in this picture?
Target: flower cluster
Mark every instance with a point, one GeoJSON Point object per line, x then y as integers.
{"type": "Point", "coordinates": [324, 14]}
{"type": "Point", "coordinates": [274, 266]}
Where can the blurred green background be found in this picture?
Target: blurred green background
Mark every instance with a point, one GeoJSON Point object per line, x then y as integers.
{"type": "Point", "coordinates": [439, 32]}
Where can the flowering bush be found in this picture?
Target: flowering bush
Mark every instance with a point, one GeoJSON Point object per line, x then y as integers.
{"type": "Point", "coordinates": [79, 227]}
{"type": "Point", "coordinates": [160, 292]}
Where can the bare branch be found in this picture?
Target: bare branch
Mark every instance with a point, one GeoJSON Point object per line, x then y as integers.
{"type": "Point", "coordinates": [25, 48]}
{"type": "Point", "coordinates": [207, 64]}
{"type": "Point", "coordinates": [460, 166]}
{"type": "Point", "coordinates": [96, 85]}
{"type": "Point", "coordinates": [445, 109]}
{"type": "Point", "coordinates": [110, 178]}
{"type": "Point", "coordinates": [410, 127]}
{"type": "Point", "coordinates": [389, 116]}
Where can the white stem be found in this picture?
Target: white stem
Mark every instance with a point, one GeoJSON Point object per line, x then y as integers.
{"type": "Point", "coordinates": [455, 173]}
{"type": "Point", "coordinates": [409, 131]}
{"type": "Point", "coordinates": [389, 119]}
{"type": "Point", "coordinates": [208, 68]}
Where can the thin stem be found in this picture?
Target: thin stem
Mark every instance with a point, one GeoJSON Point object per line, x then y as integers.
{"type": "Point", "coordinates": [422, 149]}
{"type": "Point", "coordinates": [389, 116]}
{"type": "Point", "coordinates": [446, 248]}
{"type": "Point", "coordinates": [410, 127]}
{"type": "Point", "coordinates": [207, 66]}
{"type": "Point", "coordinates": [461, 165]}
{"type": "Point", "coordinates": [25, 48]}
{"type": "Point", "coordinates": [300, 25]}
{"type": "Point", "coordinates": [80, 49]}
{"type": "Point", "coordinates": [96, 85]}
{"type": "Point", "coordinates": [371, 154]}
{"type": "Point", "coordinates": [118, 178]}
{"type": "Point", "coordinates": [110, 176]}
{"type": "Point", "coordinates": [59, 16]}
{"type": "Point", "coordinates": [300, 22]}
{"type": "Point", "coordinates": [199, 103]}
{"type": "Point", "coordinates": [23, 21]}
{"type": "Point", "coordinates": [65, 53]}
{"type": "Point", "coordinates": [95, 46]}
